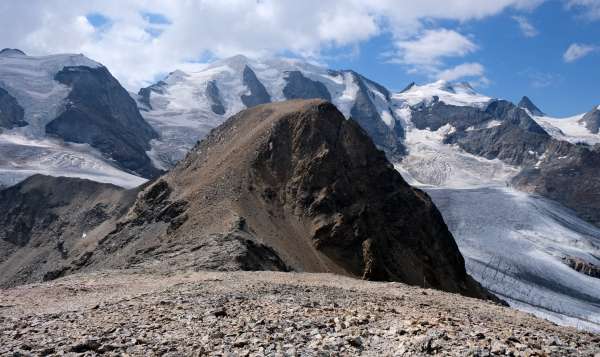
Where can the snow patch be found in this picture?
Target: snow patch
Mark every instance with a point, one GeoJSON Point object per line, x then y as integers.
{"type": "Point", "coordinates": [571, 129]}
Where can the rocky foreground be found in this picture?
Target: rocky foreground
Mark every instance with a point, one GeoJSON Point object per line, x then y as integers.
{"type": "Point", "coordinates": [266, 313]}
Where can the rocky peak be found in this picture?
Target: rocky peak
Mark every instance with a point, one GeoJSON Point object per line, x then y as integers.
{"type": "Point", "coordinates": [305, 187]}
{"type": "Point", "coordinates": [526, 103]}
{"type": "Point", "coordinates": [592, 120]}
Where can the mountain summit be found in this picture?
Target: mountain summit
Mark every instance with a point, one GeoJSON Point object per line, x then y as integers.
{"type": "Point", "coordinates": [290, 185]}
{"type": "Point", "coordinates": [526, 103]}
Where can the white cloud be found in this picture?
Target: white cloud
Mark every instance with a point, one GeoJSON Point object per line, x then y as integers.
{"type": "Point", "coordinates": [577, 51]}
{"type": "Point", "coordinates": [136, 50]}
{"type": "Point", "coordinates": [432, 46]}
{"type": "Point", "coordinates": [526, 27]}
{"type": "Point", "coordinates": [590, 8]}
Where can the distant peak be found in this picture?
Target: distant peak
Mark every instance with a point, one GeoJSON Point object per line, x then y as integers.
{"type": "Point", "coordinates": [526, 103]}
{"type": "Point", "coordinates": [408, 87]}
{"type": "Point", "coordinates": [12, 52]}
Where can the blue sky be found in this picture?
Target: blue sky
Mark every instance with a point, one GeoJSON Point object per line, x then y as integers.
{"type": "Point", "coordinates": [546, 49]}
{"type": "Point", "coordinates": [515, 64]}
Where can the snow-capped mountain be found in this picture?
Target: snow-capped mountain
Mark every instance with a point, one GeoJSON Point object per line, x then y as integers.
{"type": "Point", "coordinates": [66, 115]}
{"type": "Point", "coordinates": [466, 149]}
{"type": "Point", "coordinates": [185, 105]}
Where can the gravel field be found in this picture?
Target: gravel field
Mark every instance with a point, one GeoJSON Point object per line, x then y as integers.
{"type": "Point", "coordinates": [142, 313]}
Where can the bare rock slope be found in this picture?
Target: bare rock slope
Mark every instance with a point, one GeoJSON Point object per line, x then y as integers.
{"type": "Point", "coordinates": [45, 222]}
{"type": "Point", "coordinates": [289, 186]}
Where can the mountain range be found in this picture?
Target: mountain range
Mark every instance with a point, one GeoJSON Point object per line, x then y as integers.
{"type": "Point", "coordinates": [517, 189]}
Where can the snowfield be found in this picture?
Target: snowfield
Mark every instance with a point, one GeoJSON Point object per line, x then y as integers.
{"type": "Point", "coordinates": [570, 129]}
{"type": "Point", "coordinates": [21, 157]}
{"type": "Point", "coordinates": [458, 94]}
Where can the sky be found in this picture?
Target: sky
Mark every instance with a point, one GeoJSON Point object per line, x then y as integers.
{"type": "Point", "coordinates": [548, 50]}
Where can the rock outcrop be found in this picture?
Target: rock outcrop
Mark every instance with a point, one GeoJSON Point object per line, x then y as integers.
{"type": "Point", "coordinates": [592, 120]}
{"type": "Point", "coordinates": [11, 113]}
{"type": "Point", "coordinates": [308, 188]}
{"type": "Point", "coordinates": [299, 87]}
{"type": "Point", "coordinates": [582, 266]}
{"type": "Point", "coordinates": [526, 103]}
{"type": "Point", "coordinates": [99, 112]}
{"type": "Point", "coordinates": [257, 92]}
{"type": "Point", "coordinates": [213, 94]}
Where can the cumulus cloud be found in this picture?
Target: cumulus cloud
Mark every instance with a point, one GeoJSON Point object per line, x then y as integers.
{"type": "Point", "coordinates": [431, 47]}
{"type": "Point", "coordinates": [525, 26]}
{"type": "Point", "coordinates": [136, 47]}
{"type": "Point", "coordinates": [577, 51]}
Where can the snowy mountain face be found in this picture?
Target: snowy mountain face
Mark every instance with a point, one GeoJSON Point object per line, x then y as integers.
{"type": "Point", "coordinates": [185, 106]}
{"type": "Point", "coordinates": [466, 150]}
{"type": "Point", "coordinates": [66, 115]}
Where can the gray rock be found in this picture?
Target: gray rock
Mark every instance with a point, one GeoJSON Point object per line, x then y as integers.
{"type": "Point", "coordinates": [146, 93]}
{"type": "Point", "coordinates": [11, 113]}
{"type": "Point", "coordinates": [216, 104]}
{"type": "Point", "coordinates": [592, 120]}
{"type": "Point", "coordinates": [365, 113]}
{"type": "Point", "coordinates": [258, 93]}
{"type": "Point", "coordinates": [101, 113]}
{"type": "Point", "coordinates": [299, 87]}
{"type": "Point", "coordinates": [43, 220]}
{"type": "Point", "coordinates": [526, 103]}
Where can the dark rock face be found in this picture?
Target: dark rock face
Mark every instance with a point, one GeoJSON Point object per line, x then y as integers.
{"type": "Point", "coordinates": [44, 219]}
{"type": "Point", "coordinates": [145, 94]}
{"type": "Point", "coordinates": [582, 266]}
{"type": "Point", "coordinates": [592, 120]}
{"type": "Point", "coordinates": [11, 113]}
{"type": "Point", "coordinates": [513, 141]}
{"type": "Point", "coordinates": [347, 189]}
{"type": "Point", "coordinates": [439, 114]}
{"type": "Point", "coordinates": [364, 112]}
{"type": "Point", "coordinates": [12, 52]}
{"type": "Point", "coordinates": [304, 185]}
{"type": "Point", "coordinates": [101, 113]}
{"type": "Point", "coordinates": [526, 103]}
{"type": "Point", "coordinates": [299, 87]}
{"type": "Point", "coordinates": [568, 175]}
{"type": "Point", "coordinates": [212, 92]}
{"type": "Point", "coordinates": [258, 93]}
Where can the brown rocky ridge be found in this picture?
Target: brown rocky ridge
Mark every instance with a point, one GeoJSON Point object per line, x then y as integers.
{"type": "Point", "coordinates": [289, 186]}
